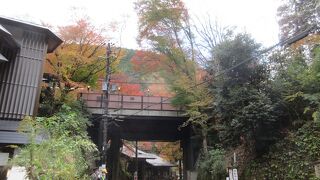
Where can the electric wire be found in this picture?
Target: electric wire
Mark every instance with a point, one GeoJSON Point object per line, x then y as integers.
{"type": "Point", "coordinates": [287, 41]}
{"type": "Point", "coordinates": [280, 43]}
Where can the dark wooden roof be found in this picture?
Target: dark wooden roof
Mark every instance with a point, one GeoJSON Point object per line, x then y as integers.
{"type": "Point", "coordinates": [53, 40]}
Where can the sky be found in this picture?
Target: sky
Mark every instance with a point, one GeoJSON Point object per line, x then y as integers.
{"type": "Point", "coordinates": [257, 17]}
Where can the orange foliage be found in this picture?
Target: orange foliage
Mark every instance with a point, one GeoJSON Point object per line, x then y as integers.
{"type": "Point", "coordinates": [82, 33]}
{"type": "Point", "coordinates": [75, 61]}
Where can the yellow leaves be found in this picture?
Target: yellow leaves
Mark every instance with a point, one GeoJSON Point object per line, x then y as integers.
{"type": "Point", "coordinates": [293, 97]}
{"type": "Point", "coordinates": [170, 151]}
{"type": "Point", "coordinates": [159, 17]}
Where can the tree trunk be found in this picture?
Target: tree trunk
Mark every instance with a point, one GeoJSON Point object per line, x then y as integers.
{"type": "Point", "coordinates": [204, 142]}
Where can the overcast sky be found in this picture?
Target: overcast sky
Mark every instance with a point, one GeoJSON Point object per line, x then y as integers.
{"type": "Point", "coordinates": [257, 17]}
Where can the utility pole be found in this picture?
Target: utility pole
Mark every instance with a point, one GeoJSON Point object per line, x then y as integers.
{"type": "Point", "coordinates": [105, 88]}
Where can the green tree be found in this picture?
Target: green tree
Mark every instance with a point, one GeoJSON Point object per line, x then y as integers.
{"type": "Point", "coordinates": [242, 105]}
{"type": "Point", "coordinates": [296, 82]}
{"type": "Point", "coordinates": [213, 166]}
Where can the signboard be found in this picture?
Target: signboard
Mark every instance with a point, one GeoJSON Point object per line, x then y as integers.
{"type": "Point", "coordinates": [230, 174]}
{"type": "Point", "coordinates": [104, 86]}
{"type": "Point", "coordinates": [135, 176]}
{"type": "Point", "coordinates": [235, 174]}
{"type": "Point", "coordinates": [4, 159]}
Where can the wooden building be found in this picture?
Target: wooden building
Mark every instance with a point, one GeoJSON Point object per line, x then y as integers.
{"type": "Point", "coordinates": [150, 166]}
{"type": "Point", "coordinates": [23, 48]}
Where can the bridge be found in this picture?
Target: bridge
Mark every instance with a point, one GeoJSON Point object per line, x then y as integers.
{"type": "Point", "coordinates": [138, 118]}
{"type": "Point", "coordinates": [131, 105]}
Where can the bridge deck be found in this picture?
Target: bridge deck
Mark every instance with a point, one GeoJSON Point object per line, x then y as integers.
{"type": "Point", "coordinates": [130, 105]}
{"type": "Point", "coordinates": [137, 117]}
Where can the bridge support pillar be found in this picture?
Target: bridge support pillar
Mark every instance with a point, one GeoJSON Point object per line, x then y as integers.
{"type": "Point", "coordinates": [188, 160]}
{"type": "Point", "coordinates": [114, 157]}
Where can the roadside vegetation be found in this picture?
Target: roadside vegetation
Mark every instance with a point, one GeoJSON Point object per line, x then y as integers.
{"type": "Point", "coordinates": [59, 147]}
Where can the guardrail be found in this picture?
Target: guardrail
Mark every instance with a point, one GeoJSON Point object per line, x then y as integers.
{"type": "Point", "coordinates": [119, 101]}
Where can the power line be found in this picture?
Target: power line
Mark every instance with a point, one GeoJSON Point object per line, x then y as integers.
{"type": "Point", "coordinates": [126, 82]}
{"type": "Point", "coordinates": [281, 43]}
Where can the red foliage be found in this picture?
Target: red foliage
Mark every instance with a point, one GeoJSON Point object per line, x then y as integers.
{"type": "Point", "coordinates": [131, 89]}
{"type": "Point", "coordinates": [124, 86]}
{"type": "Point", "coordinates": [146, 64]}
{"type": "Point", "coordinates": [144, 61]}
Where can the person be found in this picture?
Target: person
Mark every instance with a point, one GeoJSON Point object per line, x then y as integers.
{"type": "Point", "coordinates": [103, 174]}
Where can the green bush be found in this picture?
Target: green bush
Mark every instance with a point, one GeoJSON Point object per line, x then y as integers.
{"type": "Point", "coordinates": [212, 166]}
{"type": "Point", "coordinates": [65, 153]}
{"type": "Point", "coordinates": [291, 158]}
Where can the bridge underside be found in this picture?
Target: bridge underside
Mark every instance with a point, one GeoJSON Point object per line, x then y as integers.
{"type": "Point", "coordinates": [138, 128]}
{"type": "Point", "coordinates": [141, 128]}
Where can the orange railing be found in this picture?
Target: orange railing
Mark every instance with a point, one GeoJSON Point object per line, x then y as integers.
{"type": "Point", "coordinates": [119, 101]}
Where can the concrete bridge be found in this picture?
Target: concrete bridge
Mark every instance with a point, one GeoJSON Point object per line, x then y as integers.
{"type": "Point", "coordinates": [138, 118]}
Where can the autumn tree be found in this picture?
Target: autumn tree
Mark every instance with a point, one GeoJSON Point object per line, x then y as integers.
{"type": "Point", "coordinates": [80, 60]}
{"type": "Point", "coordinates": [81, 47]}
{"type": "Point", "coordinates": [165, 26]}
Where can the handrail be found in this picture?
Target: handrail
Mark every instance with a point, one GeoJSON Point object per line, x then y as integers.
{"type": "Point", "coordinates": [120, 101]}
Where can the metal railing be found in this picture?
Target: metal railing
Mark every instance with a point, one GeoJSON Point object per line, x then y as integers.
{"type": "Point", "coordinates": [119, 101]}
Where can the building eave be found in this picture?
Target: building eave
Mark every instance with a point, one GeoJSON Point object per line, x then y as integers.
{"type": "Point", "coordinates": [53, 40]}
{"type": "Point", "coordinates": [6, 36]}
